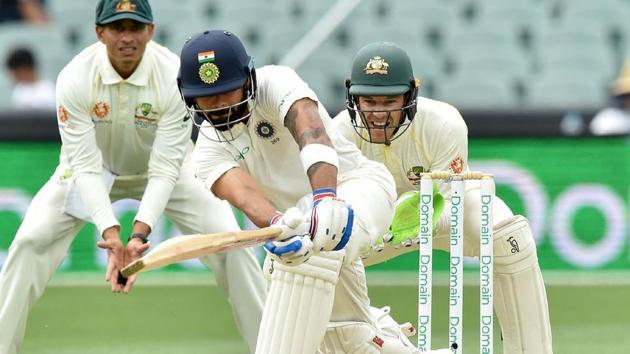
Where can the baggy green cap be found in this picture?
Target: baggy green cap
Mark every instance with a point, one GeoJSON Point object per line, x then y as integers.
{"type": "Point", "coordinates": [381, 69]}
{"type": "Point", "coordinates": [108, 11]}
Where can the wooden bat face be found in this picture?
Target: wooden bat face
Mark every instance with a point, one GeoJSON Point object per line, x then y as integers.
{"type": "Point", "coordinates": [181, 248]}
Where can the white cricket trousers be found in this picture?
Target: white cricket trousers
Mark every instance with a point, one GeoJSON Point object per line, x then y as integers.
{"type": "Point", "coordinates": [43, 239]}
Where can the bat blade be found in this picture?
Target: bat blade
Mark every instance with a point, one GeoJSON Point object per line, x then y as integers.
{"type": "Point", "coordinates": [185, 247]}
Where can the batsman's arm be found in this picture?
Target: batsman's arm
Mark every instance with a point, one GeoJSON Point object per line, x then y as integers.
{"type": "Point", "coordinates": [239, 189]}
{"type": "Point", "coordinates": [318, 156]}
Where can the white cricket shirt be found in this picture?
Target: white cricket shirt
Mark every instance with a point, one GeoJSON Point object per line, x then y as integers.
{"type": "Point", "coordinates": [436, 140]}
{"type": "Point", "coordinates": [267, 150]}
{"type": "Point", "coordinates": [132, 127]}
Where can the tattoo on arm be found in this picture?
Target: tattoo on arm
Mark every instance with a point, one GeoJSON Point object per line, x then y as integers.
{"type": "Point", "coordinates": [306, 126]}
{"type": "Point", "coordinates": [310, 136]}
{"type": "Point", "coordinates": [289, 121]}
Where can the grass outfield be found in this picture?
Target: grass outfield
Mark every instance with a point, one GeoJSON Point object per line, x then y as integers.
{"type": "Point", "coordinates": [185, 318]}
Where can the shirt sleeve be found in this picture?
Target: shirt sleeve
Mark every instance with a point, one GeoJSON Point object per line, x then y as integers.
{"type": "Point", "coordinates": [79, 143]}
{"type": "Point", "coordinates": [279, 87]}
{"type": "Point", "coordinates": [167, 156]}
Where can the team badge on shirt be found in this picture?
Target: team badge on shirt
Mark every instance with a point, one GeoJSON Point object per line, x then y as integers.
{"type": "Point", "coordinates": [376, 65]}
{"type": "Point", "coordinates": [100, 109]}
{"type": "Point", "coordinates": [62, 114]}
{"type": "Point", "coordinates": [265, 129]}
{"type": "Point", "coordinates": [457, 165]}
{"type": "Point", "coordinates": [414, 174]}
{"type": "Point", "coordinates": [145, 108]}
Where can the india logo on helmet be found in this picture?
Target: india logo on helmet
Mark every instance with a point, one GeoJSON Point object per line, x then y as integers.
{"type": "Point", "coordinates": [208, 73]}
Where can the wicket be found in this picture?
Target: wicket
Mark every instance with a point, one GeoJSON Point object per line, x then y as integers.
{"type": "Point", "coordinates": [456, 270]}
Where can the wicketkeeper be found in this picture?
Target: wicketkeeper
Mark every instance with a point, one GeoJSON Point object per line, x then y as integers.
{"type": "Point", "coordinates": [410, 134]}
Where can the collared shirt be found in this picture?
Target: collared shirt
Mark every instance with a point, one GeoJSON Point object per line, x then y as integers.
{"type": "Point", "coordinates": [267, 150]}
{"type": "Point", "coordinates": [436, 140]}
{"type": "Point", "coordinates": [131, 127]}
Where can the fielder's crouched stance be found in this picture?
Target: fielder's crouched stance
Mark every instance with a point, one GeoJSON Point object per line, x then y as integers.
{"type": "Point", "coordinates": [265, 145]}
{"type": "Point", "coordinates": [124, 135]}
{"type": "Point", "coordinates": [390, 123]}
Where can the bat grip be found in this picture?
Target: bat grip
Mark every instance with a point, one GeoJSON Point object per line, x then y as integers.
{"type": "Point", "coordinates": [122, 280]}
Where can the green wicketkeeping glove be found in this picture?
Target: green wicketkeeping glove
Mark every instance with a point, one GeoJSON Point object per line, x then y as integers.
{"type": "Point", "coordinates": [406, 223]}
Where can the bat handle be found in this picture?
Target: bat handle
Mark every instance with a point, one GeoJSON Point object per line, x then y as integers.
{"type": "Point", "coordinates": [133, 268]}
{"type": "Point", "coordinates": [122, 280]}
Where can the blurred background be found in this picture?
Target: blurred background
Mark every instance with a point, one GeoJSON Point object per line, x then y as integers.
{"type": "Point", "coordinates": [540, 83]}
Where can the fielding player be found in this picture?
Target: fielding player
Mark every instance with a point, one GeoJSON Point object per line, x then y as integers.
{"type": "Point", "coordinates": [387, 120]}
{"type": "Point", "coordinates": [265, 145]}
{"type": "Point", "coordinates": [125, 134]}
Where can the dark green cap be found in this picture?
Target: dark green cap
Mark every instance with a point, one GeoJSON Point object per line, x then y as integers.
{"type": "Point", "coordinates": [381, 69]}
{"type": "Point", "coordinates": [108, 11]}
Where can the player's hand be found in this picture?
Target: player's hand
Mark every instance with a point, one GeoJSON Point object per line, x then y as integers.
{"type": "Point", "coordinates": [331, 221]}
{"type": "Point", "coordinates": [134, 250]}
{"type": "Point", "coordinates": [295, 243]}
{"type": "Point", "coordinates": [115, 260]}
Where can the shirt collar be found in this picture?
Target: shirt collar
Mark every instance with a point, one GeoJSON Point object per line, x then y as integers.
{"type": "Point", "coordinates": [140, 77]}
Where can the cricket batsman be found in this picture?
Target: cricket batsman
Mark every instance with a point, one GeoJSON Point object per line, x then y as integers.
{"type": "Point", "coordinates": [266, 146]}
{"type": "Point", "coordinates": [390, 123]}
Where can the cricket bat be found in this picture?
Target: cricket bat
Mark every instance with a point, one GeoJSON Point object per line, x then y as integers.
{"type": "Point", "coordinates": [193, 246]}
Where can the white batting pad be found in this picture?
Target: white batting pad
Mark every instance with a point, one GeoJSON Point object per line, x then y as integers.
{"type": "Point", "coordinates": [520, 300]}
{"type": "Point", "coordinates": [268, 266]}
{"type": "Point", "coordinates": [299, 305]}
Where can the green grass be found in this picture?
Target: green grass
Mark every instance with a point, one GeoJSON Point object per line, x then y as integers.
{"type": "Point", "coordinates": [196, 319]}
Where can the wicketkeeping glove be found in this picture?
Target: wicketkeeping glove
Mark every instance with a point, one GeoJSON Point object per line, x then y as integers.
{"type": "Point", "coordinates": [402, 236]}
{"type": "Point", "coordinates": [331, 221]}
{"type": "Point", "coordinates": [295, 243]}
{"type": "Point", "coordinates": [406, 223]}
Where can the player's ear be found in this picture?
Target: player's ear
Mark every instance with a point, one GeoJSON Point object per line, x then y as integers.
{"type": "Point", "coordinates": [99, 32]}
{"type": "Point", "coordinates": [150, 29]}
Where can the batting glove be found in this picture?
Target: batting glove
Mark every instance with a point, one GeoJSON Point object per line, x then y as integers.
{"type": "Point", "coordinates": [331, 221]}
{"type": "Point", "coordinates": [295, 243]}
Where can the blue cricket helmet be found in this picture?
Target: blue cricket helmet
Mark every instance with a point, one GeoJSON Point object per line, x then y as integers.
{"type": "Point", "coordinates": [215, 62]}
{"type": "Point", "coordinates": [212, 63]}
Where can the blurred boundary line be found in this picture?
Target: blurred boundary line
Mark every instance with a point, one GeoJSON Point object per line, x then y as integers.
{"type": "Point", "coordinates": [376, 278]}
